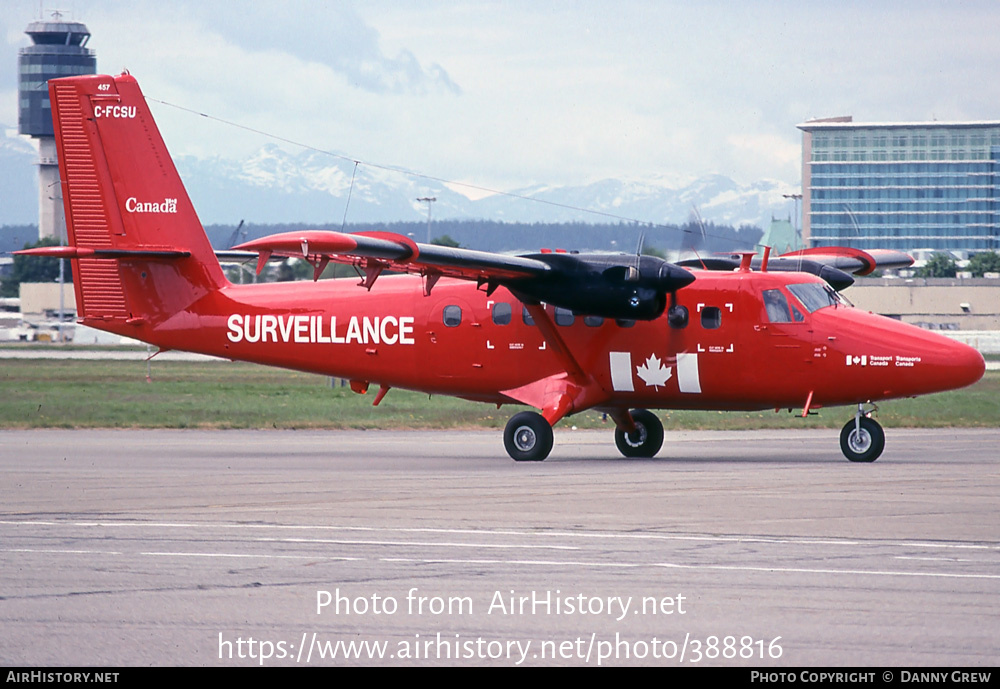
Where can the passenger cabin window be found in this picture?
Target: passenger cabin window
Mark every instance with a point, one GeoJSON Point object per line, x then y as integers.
{"type": "Point", "coordinates": [624, 322]}
{"type": "Point", "coordinates": [711, 317]}
{"type": "Point", "coordinates": [526, 316]}
{"type": "Point", "coordinates": [501, 313]}
{"type": "Point", "coordinates": [593, 321]}
{"type": "Point", "coordinates": [452, 315]}
{"type": "Point", "coordinates": [564, 316]}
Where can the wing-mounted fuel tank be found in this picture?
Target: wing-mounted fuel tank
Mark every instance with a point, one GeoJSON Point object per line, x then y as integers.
{"type": "Point", "coordinates": [608, 285]}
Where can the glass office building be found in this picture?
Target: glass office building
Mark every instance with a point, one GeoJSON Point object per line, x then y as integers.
{"type": "Point", "coordinates": [901, 186]}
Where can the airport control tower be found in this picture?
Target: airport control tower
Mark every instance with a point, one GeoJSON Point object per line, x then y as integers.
{"type": "Point", "coordinates": [59, 50]}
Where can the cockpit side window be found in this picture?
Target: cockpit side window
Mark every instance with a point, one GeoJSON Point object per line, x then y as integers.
{"type": "Point", "coordinates": [814, 295]}
{"type": "Point", "coordinates": [776, 306]}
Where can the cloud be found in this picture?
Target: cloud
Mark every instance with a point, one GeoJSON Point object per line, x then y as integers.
{"type": "Point", "coordinates": [770, 150]}
{"type": "Point", "coordinates": [508, 94]}
{"type": "Point", "coordinates": [330, 34]}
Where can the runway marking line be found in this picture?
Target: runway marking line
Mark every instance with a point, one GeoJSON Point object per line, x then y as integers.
{"type": "Point", "coordinates": [670, 565]}
{"type": "Point", "coordinates": [340, 541]}
{"type": "Point", "coordinates": [544, 563]}
{"type": "Point", "coordinates": [549, 534]}
{"type": "Point", "coordinates": [731, 538]}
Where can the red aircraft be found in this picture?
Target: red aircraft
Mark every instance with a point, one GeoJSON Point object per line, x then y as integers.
{"type": "Point", "coordinates": [560, 332]}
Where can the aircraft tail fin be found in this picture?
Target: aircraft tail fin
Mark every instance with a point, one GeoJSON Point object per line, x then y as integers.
{"type": "Point", "coordinates": [141, 254]}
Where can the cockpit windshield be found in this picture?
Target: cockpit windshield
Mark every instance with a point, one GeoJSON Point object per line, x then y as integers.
{"type": "Point", "coordinates": [815, 296]}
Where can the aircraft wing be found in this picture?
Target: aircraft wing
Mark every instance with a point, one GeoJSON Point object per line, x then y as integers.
{"type": "Point", "coordinates": [834, 264]}
{"type": "Point", "coordinates": [854, 261]}
{"type": "Point", "coordinates": [389, 251]}
{"type": "Point", "coordinates": [612, 286]}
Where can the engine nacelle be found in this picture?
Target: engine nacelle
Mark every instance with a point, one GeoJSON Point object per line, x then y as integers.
{"type": "Point", "coordinates": [608, 285]}
{"type": "Point", "coordinates": [631, 303]}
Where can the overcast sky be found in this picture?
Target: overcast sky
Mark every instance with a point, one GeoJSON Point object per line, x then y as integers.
{"type": "Point", "coordinates": [507, 94]}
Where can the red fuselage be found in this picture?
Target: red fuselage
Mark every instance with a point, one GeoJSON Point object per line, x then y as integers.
{"type": "Point", "coordinates": [732, 354]}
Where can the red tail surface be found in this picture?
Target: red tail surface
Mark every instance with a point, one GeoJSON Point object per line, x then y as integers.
{"type": "Point", "coordinates": [122, 195]}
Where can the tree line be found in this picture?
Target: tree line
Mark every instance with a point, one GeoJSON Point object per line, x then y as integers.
{"type": "Point", "coordinates": [492, 235]}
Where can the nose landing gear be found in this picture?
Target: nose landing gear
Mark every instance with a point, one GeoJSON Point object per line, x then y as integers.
{"type": "Point", "coordinates": [862, 440]}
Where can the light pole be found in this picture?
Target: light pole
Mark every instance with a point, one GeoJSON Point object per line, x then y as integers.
{"type": "Point", "coordinates": [62, 285]}
{"type": "Point", "coordinates": [429, 200]}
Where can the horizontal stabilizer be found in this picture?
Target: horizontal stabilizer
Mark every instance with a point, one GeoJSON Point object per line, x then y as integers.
{"type": "Point", "coordinates": [84, 252]}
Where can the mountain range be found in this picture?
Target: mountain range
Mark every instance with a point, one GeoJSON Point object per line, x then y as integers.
{"type": "Point", "coordinates": [276, 186]}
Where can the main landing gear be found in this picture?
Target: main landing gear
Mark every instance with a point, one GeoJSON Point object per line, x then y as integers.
{"type": "Point", "coordinates": [528, 436]}
{"type": "Point", "coordinates": [647, 438]}
{"type": "Point", "coordinates": [862, 439]}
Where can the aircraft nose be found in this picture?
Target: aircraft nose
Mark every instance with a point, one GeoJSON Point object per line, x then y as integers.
{"type": "Point", "coordinates": [966, 365]}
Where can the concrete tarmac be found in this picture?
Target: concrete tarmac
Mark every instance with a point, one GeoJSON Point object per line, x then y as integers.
{"type": "Point", "coordinates": [743, 549]}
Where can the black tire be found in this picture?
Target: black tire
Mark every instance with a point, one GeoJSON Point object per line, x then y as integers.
{"type": "Point", "coordinates": [647, 438]}
{"type": "Point", "coordinates": [528, 437]}
{"type": "Point", "coordinates": [865, 446]}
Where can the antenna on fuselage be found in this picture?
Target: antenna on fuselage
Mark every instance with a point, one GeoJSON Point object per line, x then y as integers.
{"type": "Point", "coordinates": [234, 238]}
{"type": "Point", "coordinates": [638, 252]}
{"type": "Point", "coordinates": [704, 235]}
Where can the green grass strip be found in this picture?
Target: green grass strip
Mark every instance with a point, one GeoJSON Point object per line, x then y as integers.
{"type": "Point", "coordinates": [42, 393]}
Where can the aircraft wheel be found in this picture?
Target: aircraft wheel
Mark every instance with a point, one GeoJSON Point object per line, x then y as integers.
{"type": "Point", "coordinates": [528, 437]}
{"type": "Point", "coordinates": [865, 445]}
{"type": "Point", "coordinates": [647, 438]}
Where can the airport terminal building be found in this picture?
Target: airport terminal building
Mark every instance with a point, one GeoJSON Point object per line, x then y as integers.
{"type": "Point", "coordinates": [906, 186]}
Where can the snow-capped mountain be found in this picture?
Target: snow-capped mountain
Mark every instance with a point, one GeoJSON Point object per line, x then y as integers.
{"type": "Point", "coordinates": [18, 178]}
{"type": "Point", "coordinates": [275, 186]}
{"type": "Point", "coordinates": [715, 198]}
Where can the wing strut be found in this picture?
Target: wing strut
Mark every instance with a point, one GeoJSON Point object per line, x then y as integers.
{"type": "Point", "coordinates": [552, 336]}
{"type": "Point", "coordinates": [564, 393]}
